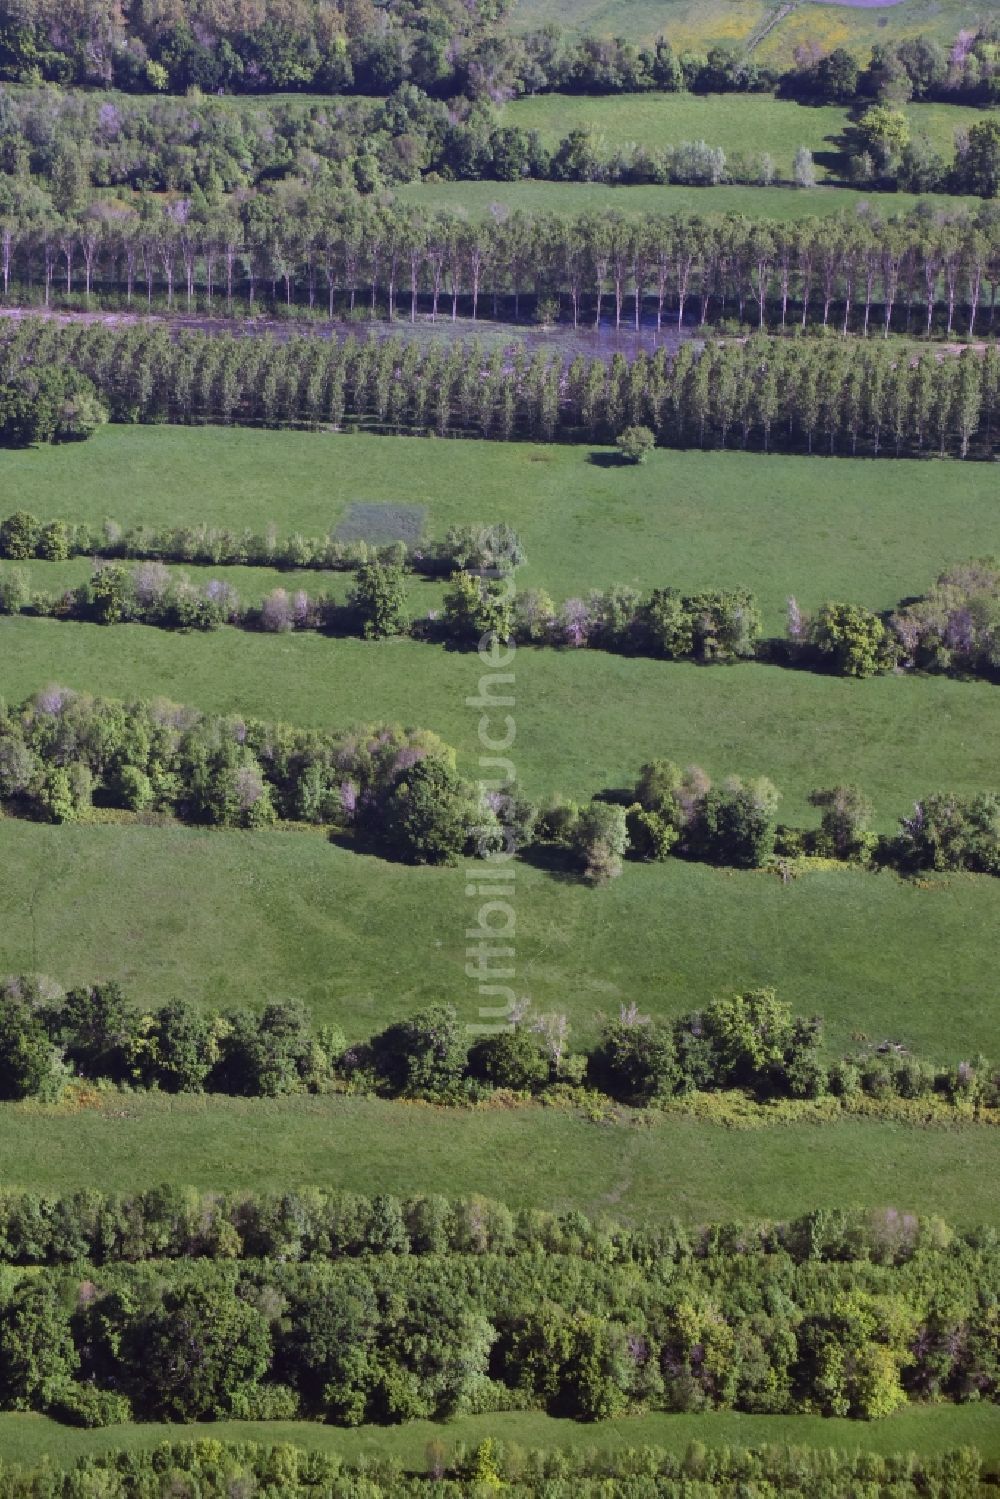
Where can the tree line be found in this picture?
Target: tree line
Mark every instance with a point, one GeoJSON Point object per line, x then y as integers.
{"type": "Point", "coordinates": [924, 273]}
{"type": "Point", "coordinates": [750, 1042]}
{"type": "Point", "coordinates": [953, 629]}
{"type": "Point", "coordinates": [453, 1470]}
{"type": "Point", "coordinates": [308, 1223]}
{"type": "Point", "coordinates": [64, 151]}
{"type": "Point", "coordinates": [767, 394]}
{"type": "Point", "coordinates": [396, 1337]}
{"type": "Point", "coordinates": [446, 48]}
{"type": "Point", "coordinates": [63, 754]}
{"type": "Point", "coordinates": [463, 547]}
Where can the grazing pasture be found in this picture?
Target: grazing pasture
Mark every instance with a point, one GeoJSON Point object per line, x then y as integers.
{"type": "Point", "coordinates": [742, 124]}
{"type": "Point", "coordinates": [870, 531]}
{"type": "Point", "coordinates": [651, 1171]}
{"type": "Point", "coordinates": [697, 25]}
{"type": "Point", "coordinates": [234, 918]}
{"type": "Point", "coordinates": [480, 200]}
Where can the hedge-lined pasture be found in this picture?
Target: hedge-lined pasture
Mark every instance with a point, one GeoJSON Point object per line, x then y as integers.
{"type": "Point", "coordinates": [870, 532]}
{"type": "Point", "coordinates": [739, 123]}
{"type": "Point", "coordinates": [649, 1172]}
{"type": "Point", "coordinates": [27, 1439]}
{"type": "Point", "coordinates": [586, 720]}
{"type": "Point", "coordinates": [230, 919]}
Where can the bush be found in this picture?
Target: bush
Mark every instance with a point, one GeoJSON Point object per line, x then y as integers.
{"type": "Point", "coordinates": [19, 536]}
{"type": "Point", "coordinates": [512, 1059]}
{"type": "Point", "coordinates": [475, 608]}
{"type": "Point", "coordinates": [600, 841]}
{"type": "Point", "coordinates": [845, 829]}
{"type": "Point", "coordinates": [431, 814]}
{"type": "Point", "coordinates": [635, 444]}
{"type": "Point", "coordinates": [379, 601]}
{"type": "Point", "coordinates": [853, 640]}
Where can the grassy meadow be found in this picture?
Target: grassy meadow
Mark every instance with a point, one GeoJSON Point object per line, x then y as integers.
{"type": "Point", "coordinates": [363, 940]}
{"type": "Point", "coordinates": [739, 123]}
{"type": "Point", "coordinates": [697, 25]}
{"type": "Point", "coordinates": [871, 531]}
{"type": "Point", "coordinates": [227, 918]}
{"type": "Point", "coordinates": [649, 1170]}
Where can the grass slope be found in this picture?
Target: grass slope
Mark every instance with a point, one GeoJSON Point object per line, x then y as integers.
{"type": "Point", "coordinates": [871, 531]}
{"type": "Point", "coordinates": [652, 1171]}
{"type": "Point", "coordinates": [697, 25]}
{"type": "Point", "coordinates": [28, 1439]}
{"type": "Point", "coordinates": [739, 123]}
{"type": "Point", "coordinates": [238, 918]}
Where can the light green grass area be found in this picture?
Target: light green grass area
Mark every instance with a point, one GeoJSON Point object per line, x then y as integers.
{"type": "Point", "coordinates": [480, 200]}
{"type": "Point", "coordinates": [229, 918]}
{"type": "Point", "coordinates": [697, 25]}
{"type": "Point", "coordinates": [815, 23]}
{"type": "Point", "coordinates": [741, 124]}
{"type": "Point", "coordinates": [871, 531]}
{"type": "Point", "coordinates": [649, 1171]}
{"type": "Point", "coordinates": [688, 23]}
{"type": "Point", "coordinates": [363, 940]}
{"type": "Point", "coordinates": [30, 1439]}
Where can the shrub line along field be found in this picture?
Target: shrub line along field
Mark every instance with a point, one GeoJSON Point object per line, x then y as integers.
{"type": "Point", "coordinates": [29, 1439]}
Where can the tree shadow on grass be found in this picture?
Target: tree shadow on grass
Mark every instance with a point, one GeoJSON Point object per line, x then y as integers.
{"type": "Point", "coordinates": [609, 460]}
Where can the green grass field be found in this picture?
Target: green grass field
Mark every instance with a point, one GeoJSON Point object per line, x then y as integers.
{"type": "Point", "coordinates": [649, 1171]}
{"type": "Point", "coordinates": [240, 918]}
{"type": "Point", "coordinates": [230, 918]}
{"type": "Point", "coordinates": [478, 200]}
{"type": "Point", "coordinates": [696, 25]}
{"type": "Point", "coordinates": [874, 532]}
{"type": "Point", "coordinates": [739, 123]}
{"type": "Point", "coordinates": [286, 912]}
{"type": "Point", "coordinates": [28, 1439]}
{"type": "Point", "coordinates": [800, 728]}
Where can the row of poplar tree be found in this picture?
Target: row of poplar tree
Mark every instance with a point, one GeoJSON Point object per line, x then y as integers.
{"type": "Point", "coordinates": [341, 253]}
{"type": "Point", "coordinates": [835, 396]}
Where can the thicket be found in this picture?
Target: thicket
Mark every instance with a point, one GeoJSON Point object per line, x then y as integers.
{"type": "Point", "coordinates": [62, 750]}
{"type": "Point", "coordinates": [395, 1336]}
{"type": "Point", "coordinates": [306, 1224]}
{"type": "Point", "coordinates": [770, 394]}
{"type": "Point", "coordinates": [309, 250]}
{"type": "Point", "coordinates": [63, 150]}
{"type": "Point", "coordinates": [751, 1042]}
{"type": "Point", "coordinates": [216, 1470]}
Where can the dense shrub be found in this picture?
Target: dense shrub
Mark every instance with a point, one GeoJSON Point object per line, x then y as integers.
{"type": "Point", "coordinates": [48, 403]}
{"type": "Point", "coordinates": [749, 1041]}
{"type": "Point", "coordinates": [830, 1314]}
{"type": "Point", "coordinates": [219, 1469]}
